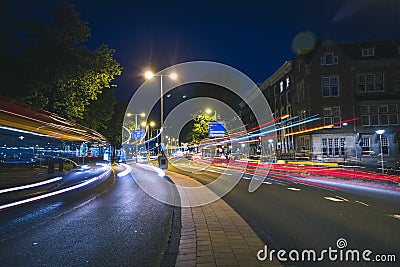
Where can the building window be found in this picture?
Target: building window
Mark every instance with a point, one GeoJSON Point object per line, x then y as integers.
{"type": "Point", "coordinates": [365, 146]}
{"type": "Point", "coordinates": [289, 110]}
{"type": "Point", "coordinates": [288, 96]}
{"type": "Point", "coordinates": [275, 90]}
{"type": "Point", "coordinates": [376, 115]}
{"type": "Point", "coordinates": [300, 91]}
{"type": "Point", "coordinates": [368, 52]}
{"type": "Point", "coordinates": [283, 100]}
{"type": "Point", "coordinates": [333, 147]}
{"type": "Point", "coordinates": [342, 146]}
{"type": "Point", "coordinates": [302, 116]}
{"type": "Point", "coordinates": [324, 147]}
{"type": "Point", "coordinates": [329, 59]}
{"type": "Point", "coordinates": [385, 145]}
{"type": "Point", "coordinates": [332, 115]}
{"type": "Point", "coordinates": [330, 86]}
{"type": "Point", "coordinates": [281, 86]}
{"type": "Point", "coordinates": [287, 82]}
{"type": "Point", "coordinates": [370, 82]}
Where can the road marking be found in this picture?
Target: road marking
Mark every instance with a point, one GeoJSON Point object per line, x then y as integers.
{"type": "Point", "coordinates": [342, 198]}
{"type": "Point", "coordinates": [396, 216]}
{"type": "Point", "coordinates": [334, 199]}
{"type": "Point", "coordinates": [362, 203]}
{"type": "Point", "coordinates": [293, 189]}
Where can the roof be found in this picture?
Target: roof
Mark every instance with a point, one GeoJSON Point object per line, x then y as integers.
{"type": "Point", "coordinates": [43, 123]}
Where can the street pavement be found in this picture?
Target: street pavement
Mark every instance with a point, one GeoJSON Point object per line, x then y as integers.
{"type": "Point", "coordinates": [114, 224]}
{"type": "Point", "coordinates": [117, 224]}
{"type": "Point", "coordinates": [213, 234]}
{"type": "Point", "coordinates": [294, 216]}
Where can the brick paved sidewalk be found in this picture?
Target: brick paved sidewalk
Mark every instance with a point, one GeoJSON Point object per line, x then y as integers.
{"type": "Point", "coordinates": [214, 234]}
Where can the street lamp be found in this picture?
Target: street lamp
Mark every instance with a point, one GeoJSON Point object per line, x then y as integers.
{"type": "Point", "coordinates": [148, 127]}
{"type": "Point", "coordinates": [136, 121]}
{"type": "Point", "coordinates": [209, 111]}
{"type": "Point", "coordinates": [173, 76]}
{"type": "Point", "coordinates": [380, 132]}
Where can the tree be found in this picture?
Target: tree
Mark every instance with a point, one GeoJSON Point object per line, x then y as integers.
{"type": "Point", "coordinates": [100, 112]}
{"type": "Point", "coordinates": [199, 130]}
{"type": "Point", "coordinates": [114, 126]}
{"type": "Point", "coordinates": [56, 71]}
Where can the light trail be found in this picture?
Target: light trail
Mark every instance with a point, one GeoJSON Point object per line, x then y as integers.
{"type": "Point", "coordinates": [61, 191]}
{"type": "Point", "coordinates": [126, 171]}
{"type": "Point", "coordinates": [29, 185]}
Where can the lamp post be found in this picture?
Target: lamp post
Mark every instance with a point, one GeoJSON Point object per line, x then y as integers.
{"type": "Point", "coordinates": [136, 116]}
{"type": "Point", "coordinates": [148, 127]}
{"type": "Point", "coordinates": [380, 132]}
{"type": "Point", "coordinates": [172, 76]}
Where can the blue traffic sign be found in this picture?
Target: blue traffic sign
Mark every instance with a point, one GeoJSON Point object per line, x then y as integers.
{"type": "Point", "coordinates": [216, 129]}
{"type": "Point", "coordinates": [138, 134]}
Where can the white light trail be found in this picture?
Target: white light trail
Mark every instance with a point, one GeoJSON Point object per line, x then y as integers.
{"type": "Point", "coordinates": [28, 200]}
{"type": "Point", "coordinates": [29, 185]}
{"type": "Point", "coordinates": [126, 171]}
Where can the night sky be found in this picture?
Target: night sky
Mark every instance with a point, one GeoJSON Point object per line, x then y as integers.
{"type": "Point", "coordinates": [253, 36]}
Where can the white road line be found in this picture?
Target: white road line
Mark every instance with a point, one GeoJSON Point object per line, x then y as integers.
{"type": "Point", "coordinates": [362, 203]}
{"type": "Point", "coordinates": [334, 199]}
{"type": "Point", "coordinates": [396, 216]}
{"type": "Point", "coordinates": [342, 198]}
{"type": "Point", "coordinates": [293, 189]}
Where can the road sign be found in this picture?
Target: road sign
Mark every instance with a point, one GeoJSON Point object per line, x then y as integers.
{"type": "Point", "coordinates": [216, 129]}
{"type": "Point", "coordinates": [138, 134]}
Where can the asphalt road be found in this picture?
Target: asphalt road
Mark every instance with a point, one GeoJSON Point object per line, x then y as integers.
{"type": "Point", "coordinates": [289, 215]}
{"type": "Point", "coordinates": [115, 224]}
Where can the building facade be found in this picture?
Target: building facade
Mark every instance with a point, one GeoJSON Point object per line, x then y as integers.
{"type": "Point", "coordinates": [337, 96]}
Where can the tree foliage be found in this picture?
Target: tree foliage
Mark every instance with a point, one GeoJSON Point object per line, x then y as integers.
{"type": "Point", "coordinates": [57, 72]}
{"type": "Point", "coordinates": [199, 130]}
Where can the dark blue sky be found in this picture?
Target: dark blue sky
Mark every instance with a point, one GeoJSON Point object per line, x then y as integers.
{"type": "Point", "coordinates": [252, 36]}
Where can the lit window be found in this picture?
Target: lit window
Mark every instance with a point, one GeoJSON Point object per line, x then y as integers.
{"type": "Point", "coordinates": [281, 86]}
{"type": "Point", "coordinates": [365, 146]}
{"type": "Point", "coordinates": [385, 145]}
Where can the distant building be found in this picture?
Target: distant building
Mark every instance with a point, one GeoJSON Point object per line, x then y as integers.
{"type": "Point", "coordinates": [350, 90]}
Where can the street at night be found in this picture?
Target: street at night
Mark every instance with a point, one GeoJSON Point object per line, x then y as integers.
{"type": "Point", "coordinates": [202, 133]}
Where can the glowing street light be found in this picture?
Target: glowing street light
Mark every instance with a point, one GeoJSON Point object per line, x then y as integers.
{"type": "Point", "coordinates": [136, 116]}
{"type": "Point", "coordinates": [172, 76]}
{"type": "Point", "coordinates": [209, 111]}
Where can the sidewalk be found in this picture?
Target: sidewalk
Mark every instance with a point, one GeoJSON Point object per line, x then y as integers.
{"type": "Point", "coordinates": [214, 234]}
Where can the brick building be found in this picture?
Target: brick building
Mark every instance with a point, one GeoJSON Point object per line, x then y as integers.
{"type": "Point", "coordinates": [348, 90]}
